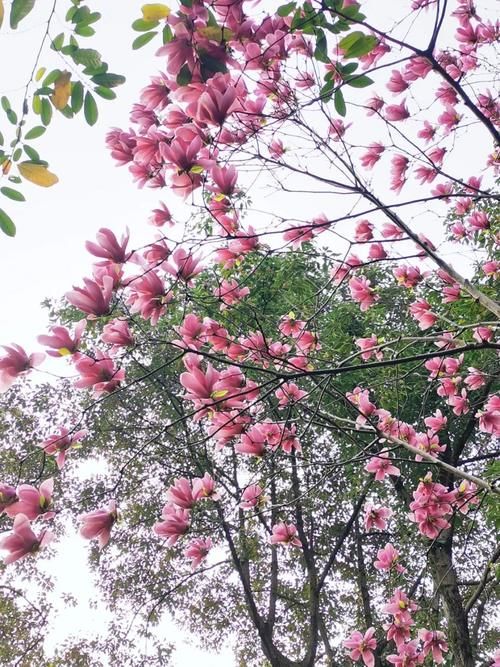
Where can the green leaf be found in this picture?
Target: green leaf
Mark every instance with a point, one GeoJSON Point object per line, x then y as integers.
{"type": "Point", "coordinates": [12, 116]}
{"type": "Point", "coordinates": [87, 58]}
{"type": "Point", "coordinates": [348, 69]}
{"type": "Point", "coordinates": [184, 77]}
{"type": "Point", "coordinates": [19, 10]}
{"type": "Point", "coordinates": [287, 9]}
{"type": "Point", "coordinates": [67, 111]}
{"type": "Point", "coordinates": [84, 30]}
{"type": "Point", "coordinates": [35, 132]}
{"type": "Point", "coordinates": [15, 195]}
{"type": "Point", "coordinates": [361, 81]}
{"type": "Point", "coordinates": [90, 109]}
{"type": "Point", "coordinates": [46, 111]}
{"type": "Point", "coordinates": [17, 154]}
{"type": "Point", "coordinates": [57, 42]}
{"type": "Point", "coordinates": [321, 50]}
{"type": "Point", "coordinates": [4, 101]}
{"type": "Point", "coordinates": [167, 34]}
{"type": "Point", "coordinates": [76, 96]}
{"type": "Point", "coordinates": [144, 26]}
{"type": "Point", "coordinates": [50, 78]}
{"type": "Point", "coordinates": [108, 79]}
{"type": "Point", "coordinates": [6, 224]}
{"type": "Point", "coordinates": [326, 91]}
{"type": "Point", "coordinates": [349, 40]}
{"type": "Point", "coordinates": [105, 93]}
{"type": "Point", "coordinates": [339, 102]}
{"type": "Point", "coordinates": [31, 153]}
{"type": "Point", "coordinates": [142, 40]}
{"type": "Point", "coordinates": [357, 44]}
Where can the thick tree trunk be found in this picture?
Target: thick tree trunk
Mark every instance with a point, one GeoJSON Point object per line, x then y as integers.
{"type": "Point", "coordinates": [445, 581]}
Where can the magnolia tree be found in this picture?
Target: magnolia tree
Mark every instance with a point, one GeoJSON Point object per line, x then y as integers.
{"type": "Point", "coordinates": [285, 438]}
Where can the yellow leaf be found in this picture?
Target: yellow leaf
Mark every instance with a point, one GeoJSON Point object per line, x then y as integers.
{"type": "Point", "coordinates": [37, 174]}
{"type": "Point", "coordinates": [62, 90]}
{"type": "Point", "coordinates": [1, 12]}
{"type": "Point", "coordinates": [64, 352]}
{"type": "Point", "coordinates": [220, 393]}
{"type": "Point", "coordinates": [216, 33]}
{"type": "Point", "coordinates": [197, 169]}
{"type": "Point", "coordinates": [155, 12]}
{"type": "Point", "coordinates": [40, 72]}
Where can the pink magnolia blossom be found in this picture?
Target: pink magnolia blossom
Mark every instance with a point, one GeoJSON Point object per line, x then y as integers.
{"type": "Point", "coordinates": [362, 292]}
{"type": "Point", "coordinates": [33, 502]}
{"type": "Point", "coordinates": [363, 231]}
{"type": "Point", "coordinates": [372, 155]}
{"type": "Point", "coordinates": [185, 266]}
{"type": "Point", "coordinates": [489, 418]}
{"type": "Point", "coordinates": [460, 403]}
{"type": "Point", "coordinates": [397, 83]}
{"type": "Point", "coordinates": [399, 166]}
{"type": "Point", "coordinates": [251, 497]}
{"type": "Point", "coordinates": [108, 247]}
{"type": "Point", "coordinates": [433, 642]}
{"type": "Point", "coordinates": [61, 341]}
{"type": "Point", "coordinates": [387, 559]}
{"type": "Point", "coordinates": [362, 646]}
{"type": "Point", "coordinates": [436, 422]}
{"type": "Point", "coordinates": [197, 550]}
{"type": "Point", "coordinates": [285, 533]}
{"type": "Point", "coordinates": [175, 524]}
{"type": "Point", "coordinates": [408, 276]}
{"type": "Point", "coordinates": [369, 348]}
{"type": "Point", "coordinates": [377, 251]}
{"type": "Point", "coordinates": [149, 296]}
{"type": "Point", "coordinates": [408, 655]}
{"type": "Point", "coordinates": [397, 112]}
{"type": "Point", "coordinates": [117, 333]}
{"type": "Point", "coordinates": [93, 299]}
{"type": "Point", "coordinates": [466, 494]}
{"type": "Point", "coordinates": [204, 487]}
{"type": "Point", "coordinates": [58, 444]}
{"type": "Point", "coordinates": [381, 466]}
{"type": "Point", "coordinates": [180, 494]}
{"type": "Point", "coordinates": [15, 363]}
{"type": "Point", "coordinates": [8, 496]}
{"type": "Point", "coordinates": [98, 524]}
{"type": "Point", "coordinates": [475, 379]}
{"type": "Point", "coordinates": [100, 373]}
{"type": "Point", "coordinates": [252, 443]}
{"type": "Point", "coordinates": [230, 293]}
{"type": "Point", "coordinates": [376, 517]}
{"type": "Point", "coordinates": [23, 541]}
{"type": "Point", "coordinates": [160, 216]}
{"type": "Point", "coordinates": [421, 311]}
{"type": "Point", "coordinates": [289, 393]}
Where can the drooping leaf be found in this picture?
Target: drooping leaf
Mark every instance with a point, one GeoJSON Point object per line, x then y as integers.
{"type": "Point", "coordinates": [184, 77]}
{"type": "Point", "coordinates": [90, 109]}
{"type": "Point", "coordinates": [88, 58]}
{"type": "Point", "coordinates": [62, 90]}
{"type": "Point", "coordinates": [15, 195]}
{"type": "Point", "coordinates": [339, 102]}
{"type": "Point", "coordinates": [35, 132]}
{"type": "Point", "coordinates": [361, 81]}
{"type": "Point", "coordinates": [140, 25]}
{"type": "Point", "coordinates": [142, 40]}
{"type": "Point", "coordinates": [287, 9]}
{"type": "Point", "coordinates": [108, 79]}
{"type": "Point", "coordinates": [77, 96]}
{"type": "Point", "coordinates": [37, 174]}
{"type": "Point", "coordinates": [46, 111]}
{"type": "Point", "coordinates": [57, 42]}
{"type": "Point", "coordinates": [6, 224]}
{"type": "Point", "coordinates": [19, 10]}
{"type": "Point", "coordinates": [155, 12]}
{"type": "Point", "coordinates": [105, 93]}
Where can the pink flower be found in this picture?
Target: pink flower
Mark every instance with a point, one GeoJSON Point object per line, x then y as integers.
{"type": "Point", "coordinates": [180, 494]}
{"type": "Point", "coordinates": [117, 334]}
{"type": "Point", "coordinates": [251, 497]}
{"type": "Point", "coordinates": [475, 379]}
{"type": "Point", "coordinates": [421, 311]}
{"type": "Point", "coordinates": [449, 119]}
{"type": "Point", "coordinates": [372, 155]}
{"type": "Point", "coordinates": [408, 276]}
{"type": "Point", "coordinates": [377, 251]}
{"type": "Point", "coordinates": [436, 422]}
{"type": "Point", "coordinates": [363, 231]}
{"type": "Point", "coordinates": [23, 541]}
{"type": "Point", "coordinates": [16, 363]}
{"type": "Point", "coordinates": [289, 393]}
{"type": "Point", "coordinates": [285, 533]}
{"type": "Point", "coordinates": [108, 247]}
{"type": "Point", "coordinates": [8, 496]}
{"type": "Point", "coordinates": [396, 112]}
{"type": "Point", "coordinates": [98, 524]}
{"type": "Point", "coordinates": [197, 550]}
{"type": "Point", "coordinates": [374, 104]}
{"type": "Point", "coordinates": [276, 149]}
{"type": "Point", "coordinates": [58, 444]}
{"type": "Point", "coordinates": [230, 293]}
{"type": "Point", "coordinates": [369, 348]}
{"type": "Point", "coordinates": [397, 83]}
{"type": "Point", "coordinates": [204, 487]}
{"type": "Point", "coordinates": [100, 373]}
{"type": "Point", "coordinates": [362, 646]}
{"type": "Point", "coordinates": [176, 523]}
{"type": "Point", "coordinates": [376, 517]}
{"type": "Point", "coordinates": [252, 443]}
{"type": "Point", "coordinates": [33, 502]}
{"type": "Point", "coordinates": [362, 292]}
{"type": "Point", "coordinates": [460, 403]}
{"type": "Point", "coordinates": [408, 655]}
{"type": "Point", "coordinates": [381, 466]}
{"type": "Point", "coordinates": [148, 296]}
{"type": "Point", "coordinates": [93, 299]}
{"type": "Point", "coordinates": [489, 418]}
{"type": "Point", "coordinates": [435, 642]}
{"type": "Point", "coordinates": [387, 559]}
{"type": "Point", "coordinates": [160, 216]}
{"type": "Point", "coordinates": [185, 266]}
{"type": "Point", "coordinates": [61, 341]}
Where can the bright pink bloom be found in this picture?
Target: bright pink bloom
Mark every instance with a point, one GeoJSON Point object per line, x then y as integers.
{"type": "Point", "coordinates": [433, 642]}
{"type": "Point", "coordinates": [285, 533]}
{"type": "Point", "coordinates": [489, 418]}
{"type": "Point", "coordinates": [8, 496]}
{"type": "Point", "coordinates": [397, 83]}
{"type": "Point", "coordinates": [363, 231]}
{"type": "Point", "coordinates": [16, 363]}
{"type": "Point", "coordinates": [58, 444]}
{"type": "Point", "coordinates": [381, 466]}
{"type": "Point", "coordinates": [192, 332]}
{"type": "Point", "coordinates": [387, 559]}
{"type": "Point", "coordinates": [117, 333]}
{"type": "Point", "coordinates": [449, 119]}
{"type": "Point", "coordinates": [160, 216]}
{"type": "Point", "coordinates": [180, 494]}
{"type": "Point", "coordinates": [176, 523]}
{"type": "Point", "coordinates": [93, 299]}
{"type": "Point", "coordinates": [204, 487]}
{"type": "Point", "coordinates": [214, 106]}
{"type": "Point", "coordinates": [460, 403]}
{"type": "Point", "coordinates": [108, 247]}
{"type": "Point", "coordinates": [376, 517]}
{"type": "Point", "coordinates": [377, 251]}
{"type": "Point", "coordinates": [98, 524]}
{"type": "Point", "coordinates": [197, 550]}
{"type": "Point", "coordinates": [390, 231]}
{"type": "Point", "coordinates": [100, 373]}
{"type": "Point", "coordinates": [33, 502]}
{"type": "Point", "coordinates": [396, 112]}
{"type": "Point", "coordinates": [61, 341]}
{"type": "Point", "coordinates": [289, 393]}
{"type": "Point", "coordinates": [362, 292]}
{"type": "Point", "coordinates": [436, 422]}
{"type": "Point", "coordinates": [230, 293]}
{"type": "Point", "coordinates": [427, 132]}
{"type": "Point", "coordinates": [408, 276]}
{"type": "Point", "coordinates": [475, 379]}
{"type": "Point", "coordinates": [185, 266]}
{"type": "Point", "coordinates": [421, 311]}
{"type": "Point", "coordinates": [372, 155]}
{"type": "Point", "coordinates": [252, 443]}
{"type": "Point", "coordinates": [368, 347]}
{"type": "Point", "coordinates": [362, 646]}
{"type": "Point", "coordinates": [466, 494]}
{"type": "Point", "coordinates": [374, 104]}
{"type": "Point", "coordinates": [289, 326]}
{"type": "Point", "coordinates": [251, 497]}
{"type": "Point", "coordinates": [408, 655]}
{"type": "Point", "coordinates": [149, 296]}
{"type": "Point", "coordinates": [23, 541]}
